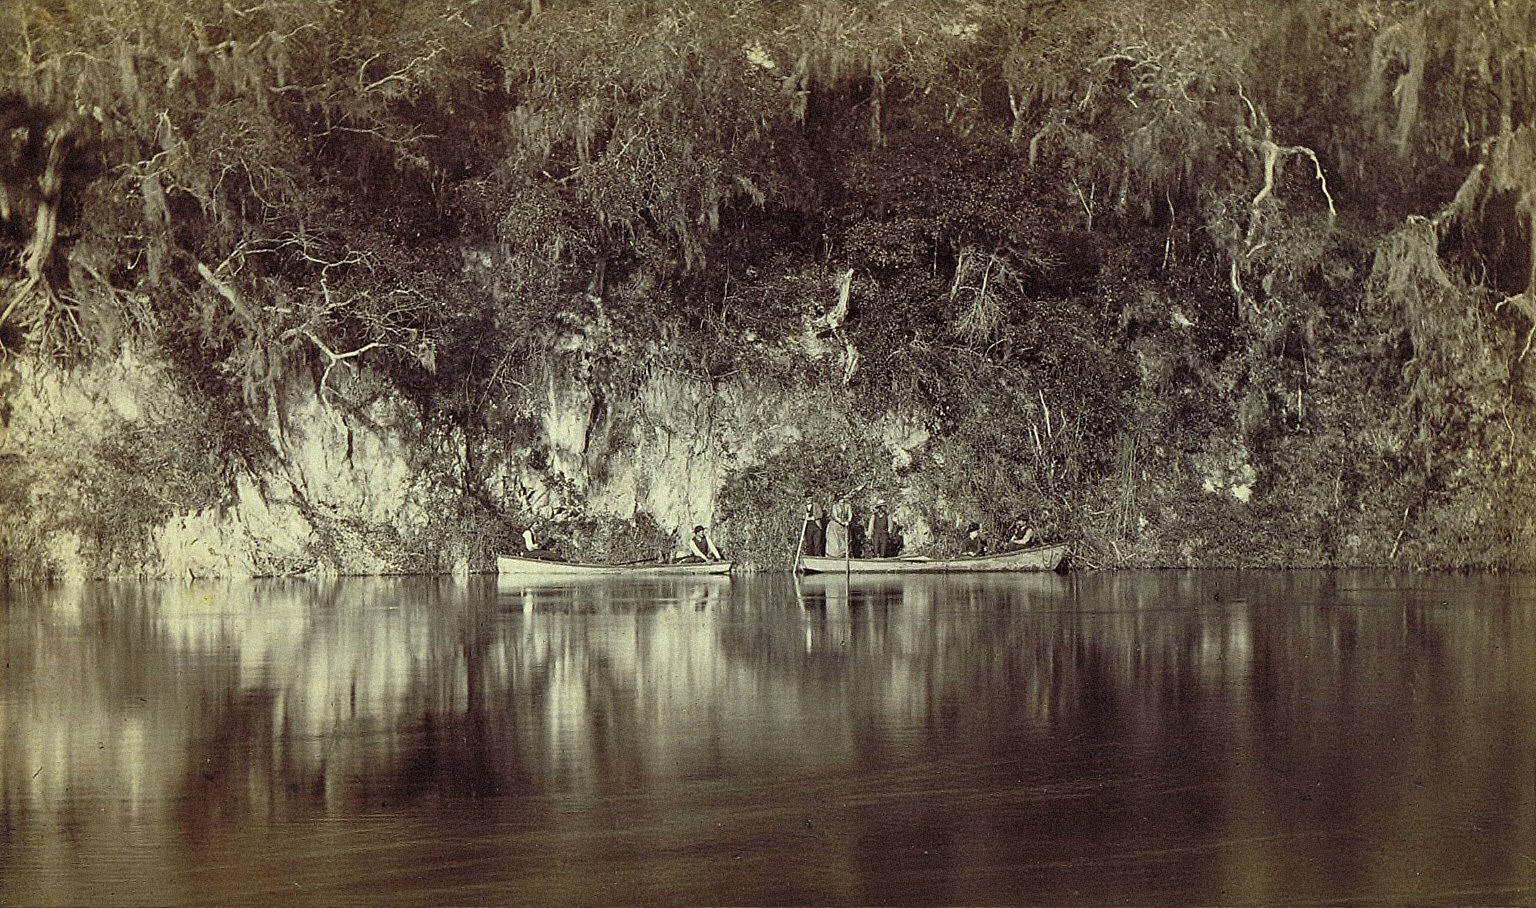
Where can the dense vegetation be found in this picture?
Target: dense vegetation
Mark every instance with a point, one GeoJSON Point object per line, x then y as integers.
{"type": "Point", "coordinates": [1117, 257]}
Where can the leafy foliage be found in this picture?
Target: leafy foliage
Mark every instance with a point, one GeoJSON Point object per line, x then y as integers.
{"type": "Point", "coordinates": [1148, 220]}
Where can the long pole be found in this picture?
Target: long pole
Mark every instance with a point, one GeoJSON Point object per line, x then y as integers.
{"type": "Point", "coordinates": [847, 550]}
{"type": "Point", "coordinates": [800, 545]}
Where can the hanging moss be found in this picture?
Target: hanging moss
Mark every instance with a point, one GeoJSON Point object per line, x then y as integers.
{"type": "Point", "coordinates": [1083, 241]}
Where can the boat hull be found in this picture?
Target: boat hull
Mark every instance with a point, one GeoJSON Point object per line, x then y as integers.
{"type": "Point", "coordinates": [539, 567]}
{"type": "Point", "coordinates": [1038, 558]}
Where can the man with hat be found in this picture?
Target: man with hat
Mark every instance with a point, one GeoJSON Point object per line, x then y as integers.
{"type": "Point", "coordinates": [701, 547]}
{"type": "Point", "coordinates": [877, 531]}
{"type": "Point", "coordinates": [974, 544]}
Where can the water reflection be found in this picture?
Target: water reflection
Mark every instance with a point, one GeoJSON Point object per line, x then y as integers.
{"type": "Point", "coordinates": [588, 595]}
{"type": "Point", "coordinates": [1150, 738]}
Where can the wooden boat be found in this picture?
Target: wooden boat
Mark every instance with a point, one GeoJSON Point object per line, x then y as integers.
{"type": "Point", "coordinates": [514, 564]}
{"type": "Point", "coordinates": [1035, 558]}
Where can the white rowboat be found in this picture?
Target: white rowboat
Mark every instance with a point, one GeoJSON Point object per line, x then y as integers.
{"type": "Point", "coordinates": [1035, 558]}
{"type": "Point", "coordinates": [513, 564]}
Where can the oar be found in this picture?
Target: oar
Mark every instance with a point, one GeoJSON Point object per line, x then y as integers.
{"type": "Point", "coordinates": [800, 544]}
{"type": "Point", "coordinates": [637, 561]}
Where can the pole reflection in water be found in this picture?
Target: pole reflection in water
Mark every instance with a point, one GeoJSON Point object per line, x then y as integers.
{"type": "Point", "coordinates": [1234, 738]}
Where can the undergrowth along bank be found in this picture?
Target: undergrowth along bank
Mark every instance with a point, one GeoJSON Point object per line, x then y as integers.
{"type": "Point", "coordinates": [1194, 284]}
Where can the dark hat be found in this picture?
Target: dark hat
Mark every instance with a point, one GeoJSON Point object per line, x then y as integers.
{"type": "Point", "coordinates": [698, 529]}
{"type": "Point", "coordinates": [973, 528]}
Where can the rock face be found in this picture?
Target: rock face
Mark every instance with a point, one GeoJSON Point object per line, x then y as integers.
{"type": "Point", "coordinates": [121, 468]}
{"type": "Point", "coordinates": [114, 470]}
{"type": "Point", "coordinates": [121, 474]}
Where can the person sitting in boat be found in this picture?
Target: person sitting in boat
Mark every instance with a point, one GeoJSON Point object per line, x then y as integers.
{"type": "Point", "coordinates": [701, 547]}
{"type": "Point", "coordinates": [533, 549]}
{"type": "Point", "coordinates": [975, 545]}
{"type": "Point", "coordinates": [1022, 536]}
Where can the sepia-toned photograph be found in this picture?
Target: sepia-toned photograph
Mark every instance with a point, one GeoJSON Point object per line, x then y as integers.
{"type": "Point", "coordinates": [767, 452]}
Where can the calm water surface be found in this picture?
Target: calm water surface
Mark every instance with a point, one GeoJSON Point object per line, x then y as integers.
{"type": "Point", "coordinates": [1145, 738]}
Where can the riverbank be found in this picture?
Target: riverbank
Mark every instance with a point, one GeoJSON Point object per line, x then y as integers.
{"type": "Point", "coordinates": [298, 289]}
{"type": "Point", "coordinates": [116, 470]}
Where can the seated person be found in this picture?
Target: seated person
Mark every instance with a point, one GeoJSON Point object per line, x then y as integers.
{"type": "Point", "coordinates": [700, 548]}
{"type": "Point", "coordinates": [532, 549]}
{"type": "Point", "coordinates": [1021, 536]}
{"type": "Point", "coordinates": [974, 544]}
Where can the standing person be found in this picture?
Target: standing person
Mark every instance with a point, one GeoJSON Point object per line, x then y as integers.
{"type": "Point", "coordinates": [813, 532]}
{"type": "Point", "coordinates": [701, 547]}
{"type": "Point", "coordinates": [838, 529]}
{"type": "Point", "coordinates": [974, 543]}
{"type": "Point", "coordinates": [877, 532]}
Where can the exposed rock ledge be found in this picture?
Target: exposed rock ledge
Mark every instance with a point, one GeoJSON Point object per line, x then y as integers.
{"type": "Point", "coordinates": [122, 474]}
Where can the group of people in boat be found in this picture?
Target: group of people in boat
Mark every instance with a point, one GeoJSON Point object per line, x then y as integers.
{"type": "Point", "coordinates": [834, 534]}
{"type": "Point", "coordinates": [1020, 536]}
{"type": "Point", "coordinates": [837, 534]}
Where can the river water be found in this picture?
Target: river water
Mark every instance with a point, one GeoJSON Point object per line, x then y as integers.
{"type": "Point", "coordinates": [1120, 738]}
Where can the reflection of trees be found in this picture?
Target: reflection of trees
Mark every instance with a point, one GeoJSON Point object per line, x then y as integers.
{"type": "Point", "coordinates": [1301, 705]}
{"type": "Point", "coordinates": [1306, 705]}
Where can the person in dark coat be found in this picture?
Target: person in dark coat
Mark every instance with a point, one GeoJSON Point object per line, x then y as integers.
{"type": "Point", "coordinates": [813, 532]}
{"type": "Point", "coordinates": [975, 544]}
{"type": "Point", "coordinates": [701, 547]}
{"type": "Point", "coordinates": [877, 532]}
{"type": "Point", "coordinates": [1021, 536]}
